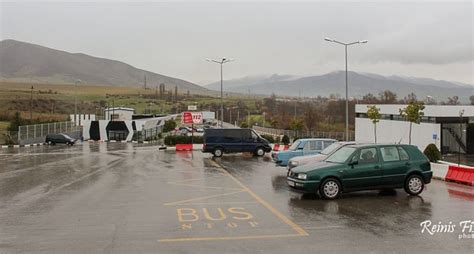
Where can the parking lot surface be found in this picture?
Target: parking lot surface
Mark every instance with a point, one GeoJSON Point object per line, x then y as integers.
{"type": "Point", "coordinates": [129, 198]}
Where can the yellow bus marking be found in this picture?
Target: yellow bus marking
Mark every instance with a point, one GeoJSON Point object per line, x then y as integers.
{"type": "Point", "coordinates": [226, 238]}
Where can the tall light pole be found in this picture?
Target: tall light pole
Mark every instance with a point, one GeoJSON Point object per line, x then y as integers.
{"type": "Point", "coordinates": [347, 90]}
{"type": "Point", "coordinates": [221, 62]}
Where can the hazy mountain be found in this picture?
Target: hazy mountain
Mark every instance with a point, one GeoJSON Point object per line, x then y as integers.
{"type": "Point", "coordinates": [250, 80]}
{"type": "Point", "coordinates": [359, 85]}
{"type": "Point", "coordinates": [29, 62]}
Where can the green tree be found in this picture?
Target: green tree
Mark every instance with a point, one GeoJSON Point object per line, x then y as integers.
{"type": "Point", "coordinates": [169, 125]}
{"type": "Point", "coordinates": [374, 115]}
{"type": "Point", "coordinates": [16, 122]}
{"type": "Point", "coordinates": [388, 97]}
{"type": "Point", "coordinates": [413, 113]}
{"type": "Point", "coordinates": [296, 124]}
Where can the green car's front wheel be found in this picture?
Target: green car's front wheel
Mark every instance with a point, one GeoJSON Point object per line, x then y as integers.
{"type": "Point", "coordinates": [330, 189]}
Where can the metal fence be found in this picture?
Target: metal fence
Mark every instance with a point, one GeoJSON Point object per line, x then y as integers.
{"type": "Point", "coordinates": [303, 134]}
{"type": "Point", "coordinates": [40, 130]}
{"type": "Point", "coordinates": [151, 134]}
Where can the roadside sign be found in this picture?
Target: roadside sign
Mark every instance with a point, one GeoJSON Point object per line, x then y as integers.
{"type": "Point", "coordinates": [435, 136]}
{"type": "Point", "coordinates": [191, 117]}
{"type": "Point", "coordinates": [192, 107]}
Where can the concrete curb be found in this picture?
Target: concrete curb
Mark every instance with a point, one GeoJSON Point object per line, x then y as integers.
{"type": "Point", "coordinates": [18, 146]}
{"type": "Point", "coordinates": [90, 141]}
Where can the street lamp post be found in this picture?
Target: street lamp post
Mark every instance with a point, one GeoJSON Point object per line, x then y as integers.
{"type": "Point", "coordinates": [461, 113]}
{"type": "Point", "coordinates": [221, 62]}
{"type": "Point", "coordinates": [347, 91]}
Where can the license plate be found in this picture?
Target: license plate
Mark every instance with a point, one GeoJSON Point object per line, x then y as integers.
{"type": "Point", "coordinates": [290, 183]}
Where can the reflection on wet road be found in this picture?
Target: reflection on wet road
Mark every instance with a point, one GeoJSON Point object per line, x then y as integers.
{"type": "Point", "coordinates": [127, 198]}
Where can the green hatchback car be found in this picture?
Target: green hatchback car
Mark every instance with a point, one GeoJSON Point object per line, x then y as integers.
{"type": "Point", "coordinates": [364, 167]}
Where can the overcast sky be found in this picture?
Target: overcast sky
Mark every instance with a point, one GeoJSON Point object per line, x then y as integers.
{"type": "Point", "coordinates": [423, 39]}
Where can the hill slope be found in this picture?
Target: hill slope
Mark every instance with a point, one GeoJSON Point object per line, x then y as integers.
{"type": "Point", "coordinates": [360, 84]}
{"type": "Point", "coordinates": [29, 62]}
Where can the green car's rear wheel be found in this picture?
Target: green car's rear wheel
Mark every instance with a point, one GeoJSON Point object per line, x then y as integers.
{"type": "Point", "coordinates": [414, 185]}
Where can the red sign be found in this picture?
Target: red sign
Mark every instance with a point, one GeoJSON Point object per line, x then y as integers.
{"type": "Point", "coordinates": [187, 117]}
{"type": "Point", "coordinates": [191, 117]}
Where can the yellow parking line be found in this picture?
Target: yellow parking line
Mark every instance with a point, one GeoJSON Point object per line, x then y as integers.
{"type": "Point", "coordinates": [282, 217]}
{"type": "Point", "coordinates": [223, 203]}
{"type": "Point", "coordinates": [205, 187]}
{"type": "Point", "coordinates": [201, 198]}
{"type": "Point", "coordinates": [195, 179]}
{"type": "Point", "coordinates": [226, 238]}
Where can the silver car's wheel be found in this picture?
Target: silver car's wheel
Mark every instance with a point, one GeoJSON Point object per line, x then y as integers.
{"type": "Point", "coordinates": [414, 185]}
{"type": "Point", "coordinates": [330, 189]}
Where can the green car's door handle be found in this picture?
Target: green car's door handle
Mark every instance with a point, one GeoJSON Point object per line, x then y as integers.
{"type": "Point", "coordinates": [408, 163]}
{"type": "Point", "coordinates": [377, 167]}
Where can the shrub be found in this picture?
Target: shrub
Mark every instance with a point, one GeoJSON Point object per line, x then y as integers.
{"type": "Point", "coordinates": [173, 140]}
{"type": "Point", "coordinates": [285, 140]}
{"type": "Point", "coordinates": [432, 152]}
{"type": "Point", "coordinates": [244, 124]}
{"type": "Point", "coordinates": [277, 140]}
{"type": "Point", "coordinates": [269, 138]}
{"type": "Point", "coordinates": [169, 125]}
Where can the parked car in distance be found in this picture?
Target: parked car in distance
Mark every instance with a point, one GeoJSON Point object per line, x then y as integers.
{"type": "Point", "coordinates": [61, 138]}
{"type": "Point", "coordinates": [220, 141]}
{"type": "Point", "coordinates": [301, 160]}
{"type": "Point", "coordinates": [305, 146]}
{"type": "Point", "coordinates": [364, 167]}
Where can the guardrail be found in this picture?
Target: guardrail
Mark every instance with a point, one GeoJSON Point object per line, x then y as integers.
{"type": "Point", "coordinates": [306, 134]}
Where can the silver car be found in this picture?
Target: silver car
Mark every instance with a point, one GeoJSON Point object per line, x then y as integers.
{"type": "Point", "coordinates": [301, 160]}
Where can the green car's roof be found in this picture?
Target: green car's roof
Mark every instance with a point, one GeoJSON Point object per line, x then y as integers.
{"type": "Point", "coordinates": [377, 145]}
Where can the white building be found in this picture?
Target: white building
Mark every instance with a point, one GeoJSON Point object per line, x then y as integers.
{"type": "Point", "coordinates": [440, 125]}
{"type": "Point", "coordinates": [119, 114]}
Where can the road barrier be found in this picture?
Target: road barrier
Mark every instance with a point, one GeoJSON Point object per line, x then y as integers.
{"type": "Point", "coordinates": [452, 172]}
{"type": "Point", "coordinates": [184, 147]}
{"type": "Point", "coordinates": [440, 170]}
{"type": "Point", "coordinates": [460, 174]}
{"type": "Point", "coordinates": [278, 147]}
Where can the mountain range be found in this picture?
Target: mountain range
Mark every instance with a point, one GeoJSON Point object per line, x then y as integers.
{"type": "Point", "coordinates": [26, 62]}
{"type": "Point", "coordinates": [333, 83]}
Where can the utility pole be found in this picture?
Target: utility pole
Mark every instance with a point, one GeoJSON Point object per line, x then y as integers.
{"type": "Point", "coordinates": [461, 113]}
{"type": "Point", "coordinates": [75, 100]}
{"type": "Point", "coordinates": [248, 118]}
{"type": "Point", "coordinates": [31, 103]}
{"type": "Point", "coordinates": [144, 80]}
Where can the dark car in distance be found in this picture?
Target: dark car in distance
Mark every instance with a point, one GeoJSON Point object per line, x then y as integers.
{"type": "Point", "coordinates": [53, 139]}
{"type": "Point", "coordinates": [364, 167]}
{"type": "Point", "coordinates": [220, 141]}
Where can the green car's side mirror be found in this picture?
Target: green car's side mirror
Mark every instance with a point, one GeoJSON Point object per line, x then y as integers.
{"type": "Point", "coordinates": [353, 161]}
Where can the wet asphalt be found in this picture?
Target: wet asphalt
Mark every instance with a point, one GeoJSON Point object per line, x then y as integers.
{"type": "Point", "coordinates": [130, 198]}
